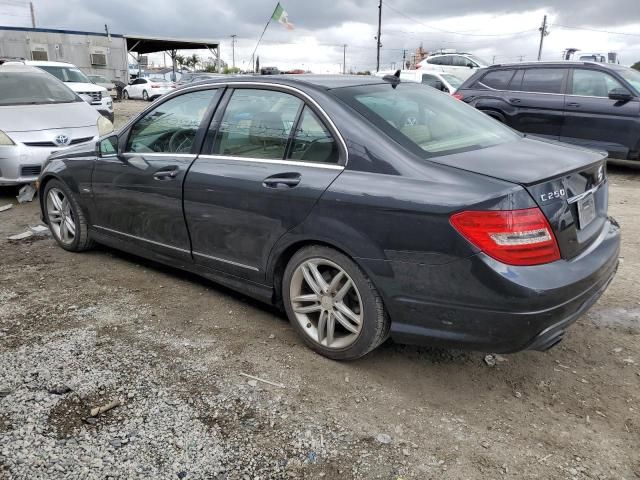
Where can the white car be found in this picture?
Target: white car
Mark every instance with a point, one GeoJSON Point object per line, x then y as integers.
{"type": "Point", "coordinates": [441, 81]}
{"type": "Point", "coordinates": [98, 97]}
{"type": "Point", "coordinates": [462, 65]}
{"type": "Point", "coordinates": [148, 88]}
{"type": "Point", "coordinates": [40, 115]}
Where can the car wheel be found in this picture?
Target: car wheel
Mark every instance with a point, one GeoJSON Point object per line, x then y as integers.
{"type": "Point", "coordinates": [332, 304]}
{"type": "Point", "coordinates": [125, 95]}
{"type": "Point", "coordinates": [65, 217]}
{"type": "Point", "coordinates": [145, 95]}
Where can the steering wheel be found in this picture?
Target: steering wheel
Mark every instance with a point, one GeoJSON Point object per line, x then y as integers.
{"type": "Point", "coordinates": [181, 140]}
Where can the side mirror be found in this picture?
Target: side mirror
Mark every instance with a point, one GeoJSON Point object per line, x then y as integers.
{"type": "Point", "coordinates": [438, 85]}
{"type": "Point", "coordinates": [470, 65]}
{"type": "Point", "coordinates": [620, 94]}
{"type": "Point", "coordinates": [108, 147]}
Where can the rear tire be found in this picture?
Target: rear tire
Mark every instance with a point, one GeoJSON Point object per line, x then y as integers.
{"type": "Point", "coordinates": [332, 292]}
{"type": "Point", "coordinates": [65, 218]}
{"type": "Point", "coordinates": [145, 96]}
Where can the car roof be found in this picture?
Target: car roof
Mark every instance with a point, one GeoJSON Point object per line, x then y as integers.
{"type": "Point", "coordinates": [20, 67]}
{"type": "Point", "coordinates": [559, 63]}
{"type": "Point", "coordinates": [324, 82]}
{"type": "Point", "coordinates": [47, 63]}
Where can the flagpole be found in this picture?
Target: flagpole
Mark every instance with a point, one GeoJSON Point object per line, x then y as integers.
{"type": "Point", "coordinates": [253, 62]}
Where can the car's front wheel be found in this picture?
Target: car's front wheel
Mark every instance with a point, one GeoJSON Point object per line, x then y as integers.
{"type": "Point", "coordinates": [125, 95]}
{"type": "Point", "coordinates": [145, 96]}
{"type": "Point", "coordinates": [333, 304]}
{"type": "Point", "coordinates": [65, 217]}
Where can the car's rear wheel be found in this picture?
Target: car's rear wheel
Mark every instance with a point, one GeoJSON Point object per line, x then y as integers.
{"type": "Point", "coordinates": [125, 95]}
{"type": "Point", "coordinates": [145, 95]}
{"type": "Point", "coordinates": [65, 217]}
{"type": "Point", "coordinates": [333, 304]}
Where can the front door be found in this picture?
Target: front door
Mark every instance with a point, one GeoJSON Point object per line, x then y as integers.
{"type": "Point", "coordinates": [269, 160]}
{"type": "Point", "coordinates": [138, 193]}
{"type": "Point", "coordinates": [538, 101]}
{"type": "Point", "coordinates": [593, 120]}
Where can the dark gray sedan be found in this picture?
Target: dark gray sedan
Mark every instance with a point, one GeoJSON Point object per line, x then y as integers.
{"type": "Point", "coordinates": [365, 207]}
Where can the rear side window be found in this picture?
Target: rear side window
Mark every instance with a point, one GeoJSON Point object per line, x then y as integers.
{"type": "Point", "coordinates": [543, 80]}
{"type": "Point", "coordinates": [312, 141]}
{"type": "Point", "coordinates": [498, 79]}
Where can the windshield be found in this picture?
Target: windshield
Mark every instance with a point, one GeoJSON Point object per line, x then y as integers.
{"type": "Point", "coordinates": [632, 76]}
{"type": "Point", "coordinates": [32, 88]}
{"type": "Point", "coordinates": [454, 81]}
{"type": "Point", "coordinates": [66, 74]}
{"type": "Point", "coordinates": [424, 120]}
{"type": "Point", "coordinates": [478, 60]}
{"type": "Point", "coordinates": [98, 79]}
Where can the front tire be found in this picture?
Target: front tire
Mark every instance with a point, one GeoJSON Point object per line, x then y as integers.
{"type": "Point", "coordinates": [65, 218]}
{"type": "Point", "coordinates": [125, 95]}
{"type": "Point", "coordinates": [145, 96]}
{"type": "Point", "coordinates": [332, 304]}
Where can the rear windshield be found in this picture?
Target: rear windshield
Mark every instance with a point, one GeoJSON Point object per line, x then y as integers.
{"type": "Point", "coordinates": [425, 120]}
{"type": "Point", "coordinates": [66, 74]}
{"type": "Point", "coordinates": [29, 88]}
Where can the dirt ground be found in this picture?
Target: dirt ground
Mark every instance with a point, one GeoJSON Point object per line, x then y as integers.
{"type": "Point", "coordinates": [138, 331]}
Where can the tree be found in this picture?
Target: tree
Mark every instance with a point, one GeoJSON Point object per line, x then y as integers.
{"type": "Point", "coordinates": [181, 61]}
{"type": "Point", "coordinates": [231, 70]}
{"type": "Point", "coordinates": [636, 66]}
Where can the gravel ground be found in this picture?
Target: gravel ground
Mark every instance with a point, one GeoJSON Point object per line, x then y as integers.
{"type": "Point", "coordinates": [79, 331]}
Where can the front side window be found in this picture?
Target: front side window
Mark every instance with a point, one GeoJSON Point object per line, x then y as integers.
{"type": "Point", "coordinates": [424, 121]}
{"type": "Point", "coordinates": [460, 61]}
{"type": "Point", "coordinates": [593, 83]}
{"type": "Point", "coordinates": [312, 141]}
{"type": "Point", "coordinates": [257, 124]}
{"type": "Point", "coordinates": [543, 80]}
{"type": "Point", "coordinates": [498, 79]}
{"type": "Point", "coordinates": [171, 127]}
{"type": "Point", "coordinates": [429, 80]}
{"type": "Point", "coordinates": [24, 88]}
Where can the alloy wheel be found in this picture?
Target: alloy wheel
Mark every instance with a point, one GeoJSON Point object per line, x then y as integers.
{"type": "Point", "coordinates": [326, 303]}
{"type": "Point", "coordinates": [60, 215]}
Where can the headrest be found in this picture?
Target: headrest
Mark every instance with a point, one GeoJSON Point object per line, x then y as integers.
{"type": "Point", "coordinates": [267, 128]}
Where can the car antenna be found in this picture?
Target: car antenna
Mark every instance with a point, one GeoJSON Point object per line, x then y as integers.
{"type": "Point", "coordinates": [394, 79]}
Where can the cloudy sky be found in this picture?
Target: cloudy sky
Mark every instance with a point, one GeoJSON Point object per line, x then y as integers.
{"type": "Point", "coordinates": [500, 30]}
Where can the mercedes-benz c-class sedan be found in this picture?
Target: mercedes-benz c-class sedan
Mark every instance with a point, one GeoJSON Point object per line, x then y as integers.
{"type": "Point", "coordinates": [364, 207]}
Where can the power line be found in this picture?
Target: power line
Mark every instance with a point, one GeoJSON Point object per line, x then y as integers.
{"type": "Point", "coordinates": [596, 30]}
{"type": "Point", "coordinates": [458, 33]}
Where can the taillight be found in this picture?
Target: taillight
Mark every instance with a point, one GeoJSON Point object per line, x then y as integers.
{"type": "Point", "coordinates": [153, 85]}
{"type": "Point", "coordinates": [458, 96]}
{"type": "Point", "coordinates": [514, 237]}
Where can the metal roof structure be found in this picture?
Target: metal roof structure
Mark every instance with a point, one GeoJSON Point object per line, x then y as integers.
{"type": "Point", "coordinates": [143, 45]}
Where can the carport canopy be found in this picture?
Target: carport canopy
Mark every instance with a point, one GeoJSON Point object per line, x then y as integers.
{"type": "Point", "coordinates": [143, 45]}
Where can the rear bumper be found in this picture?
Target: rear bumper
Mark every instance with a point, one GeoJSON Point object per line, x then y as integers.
{"type": "Point", "coordinates": [481, 304]}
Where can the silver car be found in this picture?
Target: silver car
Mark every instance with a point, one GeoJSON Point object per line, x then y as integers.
{"type": "Point", "coordinates": [40, 115]}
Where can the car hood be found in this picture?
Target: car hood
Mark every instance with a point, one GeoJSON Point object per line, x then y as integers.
{"type": "Point", "coordinates": [26, 118]}
{"type": "Point", "coordinates": [84, 87]}
{"type": "Point", "coordinates": [525, 161]}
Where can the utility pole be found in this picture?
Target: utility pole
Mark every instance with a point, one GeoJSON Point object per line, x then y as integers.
{"type": "Point", "coordinates": [543, 33]}
{"type": "Point", "coordinates": [344, 59]}
{"type": "Point", "coordinates": [33, 15]}
{"type": "Point", "coordinates": [379, 44]}
{"type": "Point", "coordinates": [404, 57]}
{"type": "Point", "coordinates": [233, 50]}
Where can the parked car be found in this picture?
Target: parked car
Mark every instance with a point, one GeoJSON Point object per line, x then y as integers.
{"type": "Point", "coordinates": [103, 82]}
{"type": "Point", "coordinates": [311, 194]}
{"type": "Point", "coordinates": [39, 115]}
{"type": "Point", "coordinates": [462, 65]}
{"type": "Point", "coordinates": [188, 78]}
{"type": "Point", "coordinates": [595, 105]}
{"type": "Point", "coordinates": [148, 89]}
{"type": "Point", "coordinates": [98, 97]}
{"type": "Point", "coordinates": [444, 82]}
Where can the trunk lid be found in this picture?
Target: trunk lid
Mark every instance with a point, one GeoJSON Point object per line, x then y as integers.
{"type": "Point", "coordinates": [568, 184]}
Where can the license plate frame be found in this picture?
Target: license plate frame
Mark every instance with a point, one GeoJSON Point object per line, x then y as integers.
{"type": "Point", "coordinates": [586, 210]}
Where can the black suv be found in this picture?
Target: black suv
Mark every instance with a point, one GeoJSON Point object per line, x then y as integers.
{"type": "Point", "coordinates": [585, 103]}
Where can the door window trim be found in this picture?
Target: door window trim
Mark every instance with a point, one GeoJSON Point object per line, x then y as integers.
{"type": "Point", "coordinates": [328, 166]}
{"type": "Point", "coordinates": [307, 100]}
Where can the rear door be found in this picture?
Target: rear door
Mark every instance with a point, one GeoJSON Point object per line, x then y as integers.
{"type": "Point", "coordinates": [537, 97]}
{"type": "Point", "coordinates": [138, 193]}
{"type": "Point", "coordinates": [269, 157]}
{"type": "Point", "coordinates": [593, 120]}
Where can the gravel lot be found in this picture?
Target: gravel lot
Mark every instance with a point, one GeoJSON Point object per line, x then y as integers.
{"type": "Point", "coordinates": [79, 331]}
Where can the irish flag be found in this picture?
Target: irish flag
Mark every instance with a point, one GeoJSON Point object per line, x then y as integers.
{"type": "Point", "coordinates": [280, 15]}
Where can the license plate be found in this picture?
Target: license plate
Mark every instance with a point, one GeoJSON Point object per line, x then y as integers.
{"type": "Point", "coordinates": [586, 210]}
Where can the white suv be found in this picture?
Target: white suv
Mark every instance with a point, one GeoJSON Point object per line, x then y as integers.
{"type": "Point", "coordinates": [77, 81]}
{"type": "Point", "coordinates": [462, 65]}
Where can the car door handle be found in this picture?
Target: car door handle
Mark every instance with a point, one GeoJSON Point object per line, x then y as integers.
{"type": "Point", "coordinates": [515, 100]}
{"type": "Point", "coordinates": [167, 173]}
{"type": "Point", "coordinates": [573, 104]}
{"type": "Point", "coordinates": [282, 180]}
